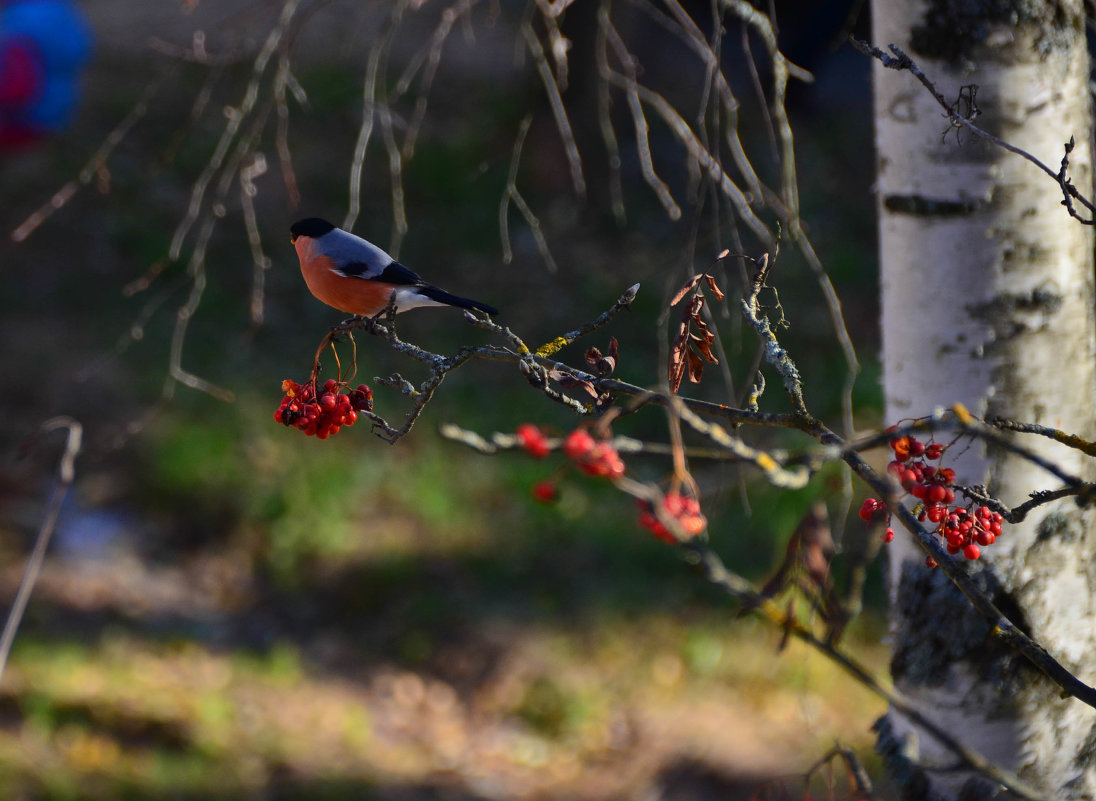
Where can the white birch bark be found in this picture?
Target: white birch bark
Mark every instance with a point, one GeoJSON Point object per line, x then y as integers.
{"type": "Point", "coordinates": [987, 299]}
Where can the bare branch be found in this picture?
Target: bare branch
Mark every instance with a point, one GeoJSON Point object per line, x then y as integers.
{"type": "Point", "coordinates": [560, 342]}
{"type": "Point", "coordinates": [559, 111]}
{"type": "Point", "coordinates": [511, 193]}
{"type": "Point", "coordinates": [66, 475]}
{"type": "Point", "coordinates": [605, 120]}
{"type": "Point", "coordinates": [639, 120]}
{"type": "Point", "coordinates": [775, 355]}
{"type": "Point", "coordinates": [260, 261]}
{"type": "Point", "coordinates": [431, 55]}
{"type": "Point", "coordinates": [284, 81]}
{"type": "Point", "coordinates": [697, 151]}
{"type": "Point", "coordinates": [369, 109]}
{"type": "Point", "coordinates": [900, 61]}
{"type": "Point", "coordinates": [97, 161]}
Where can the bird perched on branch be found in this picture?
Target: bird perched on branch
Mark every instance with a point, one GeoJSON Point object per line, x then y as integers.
{"type": "Point", "coordinates": [355, 276]}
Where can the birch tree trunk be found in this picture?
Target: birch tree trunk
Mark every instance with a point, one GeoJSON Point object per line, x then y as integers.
{"type": "Point", "coordinates": [987, 299]}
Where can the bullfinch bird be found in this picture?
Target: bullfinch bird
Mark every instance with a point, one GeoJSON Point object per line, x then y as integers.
{"type": "Point", "coordinates": [355, 276]}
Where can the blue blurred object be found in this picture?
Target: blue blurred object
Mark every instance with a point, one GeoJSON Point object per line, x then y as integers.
{"type": "Point", "coordinates": [56, 36]}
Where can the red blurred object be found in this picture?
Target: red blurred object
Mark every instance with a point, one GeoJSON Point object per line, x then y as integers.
{"type": "Point", "coordinates": [20, 73]}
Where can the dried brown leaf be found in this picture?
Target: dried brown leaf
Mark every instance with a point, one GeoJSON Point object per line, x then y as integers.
{"type": "Point", "coordinates": [703, 345]}
{"type": "Point", "coordinates": [679, 349]}
{"type": "Point", "coordinates": [710, 279]}
{"type": "Point", "coordinates": [809, 550]}
{"type": "Point", "coordinates": [603, 363]}
{"type": "Point", "coordinates": [568, 381]}
{"type": "Point", "coordinates": [817, 545]}
{"type": "Point", "coordinates": [690, 285]}
{"type": "Point", "coordinates": [696, 367]}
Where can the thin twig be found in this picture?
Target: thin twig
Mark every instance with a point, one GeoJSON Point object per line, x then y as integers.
{"type": "Point", "coordinates": [93, 165]}
{"type": "Point", "coordinates": [511, 194]}
{"type": "Point", "coordinates": [562, 341]}
{"type": "Point", "coordinates": [639, 119]}
{"type": "Point", "coordinates": [559, 111]}
{"type": "Point", "coordinates": [66, 475]}
{"type": "Point", "coordinates": [900, 61]}
{"type": "Point", "coordinates": [369, 111]}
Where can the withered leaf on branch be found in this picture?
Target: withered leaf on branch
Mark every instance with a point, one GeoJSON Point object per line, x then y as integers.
{"type": "Point", "coordinates": [809, 551]}
{"type": "Point", "coordinates": [692, 344]}
{"type": "Point", "coordinates": [690, 285]}
{"type": "Point", "coordinates": [678, 358]}
{"type": "Point", "coordinates": [693, 283]}
{"type": "Point", "coordinates": [817, 545]}
{"type": "Point", "coordinates": [711, 285]}
{"type": "Point", "coordinates": [604, 363]}
{"type": "Point", "coordinates": [568, 381]}
{"type": "Point", "coordinates": [696, 366]}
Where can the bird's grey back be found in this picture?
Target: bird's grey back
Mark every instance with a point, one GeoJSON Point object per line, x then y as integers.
{"type": "Point", "coordinates": [345, 248]}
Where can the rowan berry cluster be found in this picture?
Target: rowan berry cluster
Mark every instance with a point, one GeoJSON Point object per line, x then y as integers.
{"type": "Point", "coordinates": [600, 459]}
{"type": "Point", "coordinates": [323, 415]}
{"type": "Point", "coordinates": [592, 457]}
{"type": "Point", "coordinates": [685, 510]}
{"type": "Point", "coordinates": [964, 529]}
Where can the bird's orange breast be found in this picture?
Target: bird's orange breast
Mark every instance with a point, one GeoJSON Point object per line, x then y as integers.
{"type": "Point", "coordinates": [351, 295]}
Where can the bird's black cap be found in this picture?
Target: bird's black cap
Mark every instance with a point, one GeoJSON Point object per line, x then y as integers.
{"type": "Point", "coordinates": [310, 226]}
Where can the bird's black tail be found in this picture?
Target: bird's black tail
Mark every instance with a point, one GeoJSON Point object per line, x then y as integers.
{"type": "Point", "coordinates": [441, 296]}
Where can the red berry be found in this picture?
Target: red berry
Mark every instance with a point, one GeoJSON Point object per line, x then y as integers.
{"type": "Point", "coordinates": [901, 448]}
{"type": "Point", "coordinates": [888, 535]}
{"type": "Point", "coordinates": [972, 551]}
{"type": "Point", "coordinates": [869, 508]}
{"type": "Point", "coordinates": [578, 444]}
{"type": "Point", "coordinates": [545, 491]}
{"type": "Point", "coordinates": [533, 440]}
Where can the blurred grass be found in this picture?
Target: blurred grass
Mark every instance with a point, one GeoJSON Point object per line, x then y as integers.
{"type": "Point", "coordinates": [126, 718]}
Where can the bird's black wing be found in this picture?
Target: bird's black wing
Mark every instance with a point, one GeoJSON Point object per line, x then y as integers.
{"type": "Point", "coordinates": [394, 273]}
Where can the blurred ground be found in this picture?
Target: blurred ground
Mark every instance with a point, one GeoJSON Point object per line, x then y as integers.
{"type": "Point", "coordinates": [231, 611]}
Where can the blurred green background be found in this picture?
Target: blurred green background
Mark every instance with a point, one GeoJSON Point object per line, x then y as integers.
{"type": "Point", "coordinates": [233, 610]}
